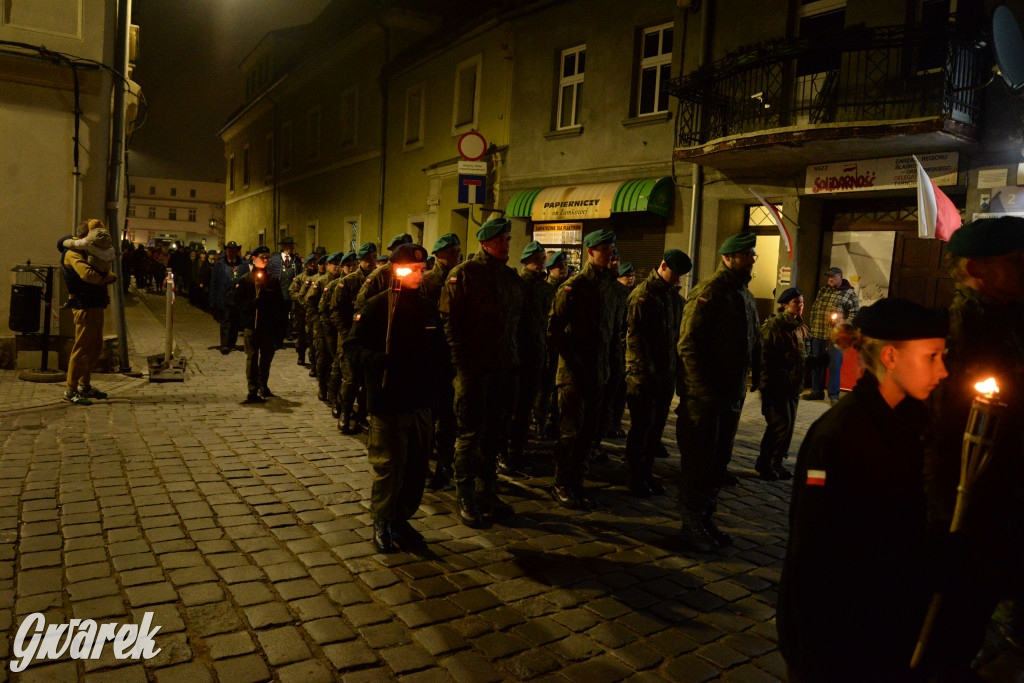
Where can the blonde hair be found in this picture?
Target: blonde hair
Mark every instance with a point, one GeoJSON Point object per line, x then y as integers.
{"type": "Point", "coordinates": [868, 348]}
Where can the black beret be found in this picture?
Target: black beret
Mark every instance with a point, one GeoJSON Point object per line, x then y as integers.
{"type": "Point", "coordinates": [901, 319]}
{"type": "Point", "coordinates": [287, 239]}
{"type": "Point", "coordinates": [988, 237]}
{"type": "Point", "coordinates": [493, 228]}
{"type": "Point", "coordinates": [788, 295]}
{"type": "Point", "coordinates": [262, 249]}
{"type": "Point", "coordinates": [677, 261]}
{"type": "Point", "coordinates": [232, 245]}
{"type": "Point", "coordinates": [408, 253]}
{"type": "Point", "coordinates": [598, 237]}
{"type": "Point", "coordinates": [738, 242]}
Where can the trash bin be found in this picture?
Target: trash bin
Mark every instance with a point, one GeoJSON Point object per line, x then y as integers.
{"type": "Point", "coordinates": [26, 302]}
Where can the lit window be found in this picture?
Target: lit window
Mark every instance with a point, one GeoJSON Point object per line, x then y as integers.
{"type": "Point", "coordinates": [570, 85]}
{"type": "Point", "coordinates": [655, 69]}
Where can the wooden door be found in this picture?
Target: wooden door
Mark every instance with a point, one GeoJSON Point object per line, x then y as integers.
{"type": "Point", "coordinates": [918, 273]}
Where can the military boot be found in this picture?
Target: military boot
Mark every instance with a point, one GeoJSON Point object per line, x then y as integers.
{"type": "Point", "coordinates": [720, 537]}
{"type": "Point", "coordinates": [765, 470]}
{"type": "Point", "coordinates": [780, 471]}
{"type": "Point", "coordinates": [469, 512]}
{"type": "Point", "coordinates": [302, 359]}
{"type": "Point", "coordinates": [490, 504]}
{"type": "Point", "coordinates": [345, 423]}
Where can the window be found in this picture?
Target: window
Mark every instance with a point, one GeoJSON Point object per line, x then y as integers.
{"type": "Point", "coordinates": [174, 192]}
{"type": "Point", "coordinates": [313, 134]}
{"type": "Point", "coordinates": [191, 215]}
{"type": "Point", "coordinates": [152, 189]}
{"type": "Point", "coordinates": [571, 65]}
{"type": "Point", "coordinates": [286, 146]}
{"type": "Point", "coordinates": [467, 95]}
{"type": "Point", "coordinates": [131, 189]}
{"type": "Point", "coordinates": [655, 69]}
{"type": "Point", "coordinates": [414, 116]}
{"type": "Point", "coordinates": [231, 173]}
{"type": "Point", "coordinates": [269, 165]}
{"type": "Point", "coordinates": [819, 18]}
{"type": "Point", "coordinates": [347, 118]}
{"type": "Point", "coordinates": [245, 165]}
{"type": "Point", "coordinates": [192, 193]}
{"type": "Point", "coordinates": [172, 214]}
{"type": "Point", "coordinates": [152, 212]}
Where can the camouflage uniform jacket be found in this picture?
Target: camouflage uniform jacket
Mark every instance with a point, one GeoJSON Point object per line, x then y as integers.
{"type": "Point", "coordinates": [433, 282]}
{"type": "Point", "coordinates": [326, 301]}
{"type": "Point", "coordinates": [295, 288]}
{"type": "Point", "coordinates": [584, 329]}
{"type": "Point", "coordinates": [653, 314]}
{"type": "Point", "coordinates": [481, 304]}
{"type": "Point", "coordinates": [717, 339]}
{"type": "Point", "coordinates": [779, 370]}
{"type": "Point", "coordinates": [620, 294]}
{"type": "Point", "coordinates": [312, 300]}
{"type": "Point", "coordinates": [533, 326]}
{"type": "Point", "coordinates": [378, 281]}
{"type": "Point", "coordinates": [344, 298]}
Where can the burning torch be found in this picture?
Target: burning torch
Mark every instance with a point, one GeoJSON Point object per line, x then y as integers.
{"type": "Point", "coordinates": [393, 292]}
{"type": "Point", "coordinates": [979, 436]}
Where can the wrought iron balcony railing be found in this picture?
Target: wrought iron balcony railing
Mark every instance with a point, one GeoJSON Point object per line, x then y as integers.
{"type": "Point", "coordinates": [886, 74]}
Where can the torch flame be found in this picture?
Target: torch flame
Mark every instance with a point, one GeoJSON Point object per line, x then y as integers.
{"type": "Point", "coordinates": [835, 316]}
{"type": "Point", "coordinates": [402, 272]}
{"type": "Point", "coordinates": [989, 387]}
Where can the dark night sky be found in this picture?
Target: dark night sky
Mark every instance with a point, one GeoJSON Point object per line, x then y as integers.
{"type": "Point", "coordinates": [189, 52]}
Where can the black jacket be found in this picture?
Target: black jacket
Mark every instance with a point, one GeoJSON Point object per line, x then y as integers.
{"type": "Point", "coordinates": [261, 313]}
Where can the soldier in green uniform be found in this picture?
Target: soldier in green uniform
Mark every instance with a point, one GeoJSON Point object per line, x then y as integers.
{"type": "Point", "coordinates": [398, 342]}
{"type": "Point", "coordinates": [327, 332]}
{"type": "Point", "coordinates": [546, 408]}
{"type": "Point", "coordinates": [779, 375]}
{"type": "Point", "coordinates": [447, 254]}
{"type": "Point", "coordinates": [333, 319]}
{"type": "Point", "coordinates": [481, 304]}
{"type": "Point", "coordinates": [352, 386]}
{"type": "Point", "coordinates": [537, 298]}
{"type": "Point", "coordinates": [986, 339]}
{"type": "Point", "coordinates": [617, 406]}
{"type": "Point", "coordinates": [380, 279]}
{"type": "Point", "coordinates": [718, 338]}
{"type": "Point", "coordinates": [584, 330]}
{"type": "Point", "coordinates": [296, 294]}
{"type": "Point", "coordinates": [654, 312]}
{"type": "Point", "coordinates": [349, 263]}
{"type": "Point", "coordinates": [310, 300]}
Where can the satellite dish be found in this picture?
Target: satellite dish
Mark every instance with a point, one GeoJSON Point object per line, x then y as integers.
{"type": "Point", "coordinates": [1008, 46]}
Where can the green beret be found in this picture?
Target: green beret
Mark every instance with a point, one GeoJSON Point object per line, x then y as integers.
{"type": "Point", "coordinates": [444, 241]}
{"type": "Point", "coordinates": [408, 253]}
{"type": "Point", "coordinates": [383, 259]}
{"type": "Point", "coordinates": [404, 238]}
{"type": "Point", "coordinates": [366, 250]}
{"type": "Point", "coordinates": [493, 228]}
{"type": "Point", "coordinates": [335, 257]}
{"type": "Point", "coordinates": [531, 249]}
{"type": "Point", "coordinates": [901, 319]}
{"type": "Point", "coordinates": [322, 260]}
{"type": "Point", "coordinates": [310, 259]}
{"type": "Point", "coordinates": [988, 237]}
{"type": "Point", "coordinates": [554, 258]}
{"type": "Point", "coordinates": [625, 269]}
{"type": "Point", "coordinates": [738, 242]}
{"type": "Point", "coordinates": [349, 256]}
{"type": "Point", "coordinates": [598, 237]}
{"type": "Point", "coordinates": [677, 261]}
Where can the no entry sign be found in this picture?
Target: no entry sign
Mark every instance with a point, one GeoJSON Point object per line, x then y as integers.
{"type": "Point", "coordinates": [472, 146]}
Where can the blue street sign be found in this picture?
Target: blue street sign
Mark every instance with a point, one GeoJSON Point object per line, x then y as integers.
{"type": "Point", "coordinates": [472, 189]}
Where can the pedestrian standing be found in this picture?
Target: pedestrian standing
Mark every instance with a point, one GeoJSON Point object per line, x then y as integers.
{"type": "Point", "coordinates": [654, 313]}
{"type": "Point", "coordinates": [226, 273]}
{"type": "Point", "coordinates": [295, 294]}
{"type": "Point", "coordinates": [584, 330]}
{"type": "Point", "coordinates": [447, 254]}
{"type": "Point", "coordinates": [834, 303]}
{"type": "Point", "coordinates": [284, 266]}
{"type": "Point", "coordinates": [398, 342]}
{"type": "Point", "coordinates": [260, 316]}
{"type": "Point", "coordinates": [352, 386]}
{"type": "Point", "coordinates": [718, 337]}
{"type": "Point", "coordinates": [381, 278]}
{"type": "Point", "coordinates": [481, 304]}
{"type": "Point", "coordinates": [323, 339]}
{"type": "Point", "coordinates": [88, 299]}
{"type": "Point", "coordinates": [546, 408]}
{"type": "Point", "coordinates": [311, 291]}
{"type": "Point", "coordinates": [780, 377]}
{"type": "Point", "coordinates": [854, 588]}
{"type": "Point", "coordinates": [334, 319]}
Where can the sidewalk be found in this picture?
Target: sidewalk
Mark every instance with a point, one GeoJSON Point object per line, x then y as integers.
{"type": "Point", "coordinates": [245, 531]}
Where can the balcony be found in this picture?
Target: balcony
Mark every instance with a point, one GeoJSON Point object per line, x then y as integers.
{"type": "Point", "coordinates": [864, 92]}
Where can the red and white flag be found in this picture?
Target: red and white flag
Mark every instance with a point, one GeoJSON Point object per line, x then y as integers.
{"type": "Point", "coordinates": [815, 477]}
{"type": "Point", "coordinates": [774, 213]}
{"type": "Point", "coordinates": [936, 214]}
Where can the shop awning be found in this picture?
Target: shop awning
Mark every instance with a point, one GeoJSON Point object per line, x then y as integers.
{"type": "Point", "coordinates": [598, 200]}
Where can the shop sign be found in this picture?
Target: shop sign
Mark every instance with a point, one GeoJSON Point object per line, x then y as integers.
{"type": "Point", "coordinates": [559, 233]}
{"type": "Point", "coordinates": [578, 202]}
{"type": "Point", "coordinates": [880, 174]}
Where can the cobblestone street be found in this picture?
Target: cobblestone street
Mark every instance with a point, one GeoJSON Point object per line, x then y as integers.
{"type": "Point", "coordinates": [245, 531]}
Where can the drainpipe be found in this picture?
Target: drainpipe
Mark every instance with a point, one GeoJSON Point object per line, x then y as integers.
{"type": "Point", "coordinates": [114, 170]}
{"type": "Point", "coordinates": [383, 126]}
{"type": "Point", "coordinates": [704, 52]}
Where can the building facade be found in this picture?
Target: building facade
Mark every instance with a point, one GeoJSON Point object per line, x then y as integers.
{"type": "Point", "coordinates": [181, 212]}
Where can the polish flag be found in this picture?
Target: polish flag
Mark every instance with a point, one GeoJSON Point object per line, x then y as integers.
{"type": "Point", "coordinates": [774, 213]}
{"type": "Point", "coordinates": [936, 215]}
{"type": "Point", "coordinates": [815, 477]}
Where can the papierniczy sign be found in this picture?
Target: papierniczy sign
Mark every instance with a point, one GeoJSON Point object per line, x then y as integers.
{"type": "Point", "coordinates": [880, 174]}
{"type": "Point", "coordinates": [81, 639]}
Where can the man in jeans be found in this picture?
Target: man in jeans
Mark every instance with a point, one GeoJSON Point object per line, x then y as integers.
{"type": "Point", "coordinates": [88, 289]}
{"type": "Point", "coordinates": [834, 303]}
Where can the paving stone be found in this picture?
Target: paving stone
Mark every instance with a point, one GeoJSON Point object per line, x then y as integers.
{"type": "Point", "coordinates": [438, 640]}
{"type": "Point", "coordinates": [575, 619]}
{"type": "Point", "coordinates": [189, 575]}
{"type": "Point", "coordinates": [251, 593]}
{"type": "Point", "coordinates": [498, 645]}
{"type": "Point", "coordinates": [427, 612]}
{"type": "Point", "coordinates": [475, 600]}
{"type": "Point", "coordinates": [748, 673]}
{"type": "Point", "coordinates": [611, 635]}
{"type": "Point", "coordinates": [314, 608]}
{"type": "Point", "coordinates": [604, 668]}
{"type": "Point", "coordinates": [136, 577]}
{"type": "Point", "coordinates": [575, 648]}
{"type": "Point", "coordinates": [268, 614]}
{"type": "Point", "coordinates": [127, 674]}
{"type": "Point", "coordinates": [248, 669]}
{"type": "Point", "coordinates": [208, 620]}
{"type": "Point", "coordinates": [166, 617]}
{"type": "Point", "coordinates": [721, 655]}
{"type": "Point", "coordinates": [293, 590]}
{"type": "Point", "coordinates": [309, 671]}
{"type": "Point", "coordinates": [380, 636]}
{"type": "Point", "coordinates": [174, 649]}
{"type": "Point", "coordinates": [351, 655]}
{"type": "Point", "coordinates": [151, 594]}
{"type": "Point", "coordinates": [283, 645]}
{"type": "Point", "coordinates": [200, 594]}
{"type": "Point", "coordinates": [470, 666]}
{"type": "Point", "coordinates": [638, 656]}
{"type": "Point", "coordinates": [184, 673]}
{"type": "Point", "coordinates": [689, 668]}
{"type": "Point", "coordinates": [406, 658]}
{"type": "Point", "coordinates": [329, 630]}
{"type": "Point", "coordinates": [542, 631]}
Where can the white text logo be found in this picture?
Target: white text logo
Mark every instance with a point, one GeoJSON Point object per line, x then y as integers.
{"type": "Point", "coordinates": [82, 639]}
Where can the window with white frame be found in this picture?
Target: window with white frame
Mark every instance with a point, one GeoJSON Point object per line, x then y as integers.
{"type": "Point", "coordinates": [571, 65]}
{"type": "Point", "coordinates": [191, 215]}
{"type": "Point", "coordinates": [313, 134]}
{"type": "Point", "coordinates": [152, 212]}
{"type": "Point", "coordinates": [655, 69]}
{"type": "Point", "coordinates": [347, 119]}
{"type": "Point", "coordinates": [172, 214]}
{"type": "Point", "coordinates": [286, 146]}
{"type": "Point", "coordinates": [466, 105]}
{"type": "Point", "coordinates": [414, 116]}
{"type": "Point", "coordinates": [246, 158]}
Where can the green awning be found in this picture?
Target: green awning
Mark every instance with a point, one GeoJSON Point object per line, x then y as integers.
{"type": "Point", "coordinates": [598, 200]}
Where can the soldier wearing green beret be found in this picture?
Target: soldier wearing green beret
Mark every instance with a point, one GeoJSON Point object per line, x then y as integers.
{"type": "Point", "coordinates": [312, 283]}
{"type": "Point", "coordinates": [986, 339]}
{"type": "Point", "coordinates": [296, 292]}
{"type": "Point", "coordinates": [383, 277]}
{"type": "Point", "coordinates": [545, 409]}
{"type": "Point", "coordinates": [584, 330]}
{"type": "Point", "coordinates": [447, 254]}
{"type": "Point", "coordinates": [323, 340]}
{"type": "Point", "coordinates": [481, 304]}
{"type": "Point", "coordinates": [329, 333]}
{"type": "Point", "coordinates": [349, 263]}
{"type": "Point", "coordinates": [537, 297]}
{"type": "Point", "coordinates": [352, 386]}
{"type": "Point", "coordinates": [718, 338]}
{"type": "Point", "coordinates": [654, 312]}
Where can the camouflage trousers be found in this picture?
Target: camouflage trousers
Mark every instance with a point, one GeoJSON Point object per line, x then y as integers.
{"type": "Point", "coordinates": [398, 447]}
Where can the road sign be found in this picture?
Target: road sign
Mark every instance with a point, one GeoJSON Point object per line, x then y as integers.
{"type": "Point", "coordinates": [472, 189]}
{"type": "Point", "coordinates": [472, 168]}
{"type": "Point", "coordinates": [472, 146]}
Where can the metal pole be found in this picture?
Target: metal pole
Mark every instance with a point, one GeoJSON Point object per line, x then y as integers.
{"type": "Point", "coordinates": [169, 319]}
{"type": "Point", "coordinates": [48, 298]}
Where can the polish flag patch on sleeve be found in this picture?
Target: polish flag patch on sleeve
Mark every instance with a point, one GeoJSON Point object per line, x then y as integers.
{"type": "Point", "coordinates": [453, 280]}
{"type": "Point", "coordinates": [815, 477]}
{"type": "Point", "coordinates": [701, 300]}
{"type": "Point", "coordinates": [356, 317]}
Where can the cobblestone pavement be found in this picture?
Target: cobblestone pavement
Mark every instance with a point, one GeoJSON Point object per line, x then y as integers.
{"type": "Point", "coordinates": [245, 531]}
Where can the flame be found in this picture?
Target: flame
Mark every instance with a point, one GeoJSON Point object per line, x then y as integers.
{"type": "Point", "coordinates": [989, 387]}
{"type": "Point", "coordinates": [835, 316]}
{"type": "Point", "coordinates": [402, 272]}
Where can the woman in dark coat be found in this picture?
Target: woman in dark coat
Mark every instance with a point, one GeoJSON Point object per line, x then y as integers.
{"type": "Point", "coordinates": [853, 592]}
